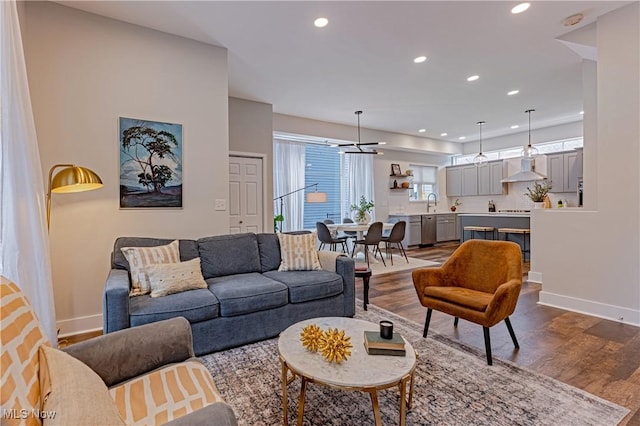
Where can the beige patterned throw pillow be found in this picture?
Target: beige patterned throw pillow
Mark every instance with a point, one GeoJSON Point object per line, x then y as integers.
{"type": "Point", "coordinates": [298, 252]}
{"type": "Point", "coordinates": [140, 258]}
{"type": "Point", "coordinates": [170, 278]}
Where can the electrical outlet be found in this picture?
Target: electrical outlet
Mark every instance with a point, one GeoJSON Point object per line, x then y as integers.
{"type": "Point", "coordinates": [221, 204]}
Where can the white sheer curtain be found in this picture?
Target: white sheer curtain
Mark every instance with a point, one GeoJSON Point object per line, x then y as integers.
{"type": "Point", "coordinates": [288, 176]}
{"type": "Point", "coordinates": [359, 181]}
{"type": "Point", "coordinates": [24, 242]}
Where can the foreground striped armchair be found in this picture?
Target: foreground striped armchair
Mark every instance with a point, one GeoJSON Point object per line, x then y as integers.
{"type": "Point", "coordinates": [143, 375]}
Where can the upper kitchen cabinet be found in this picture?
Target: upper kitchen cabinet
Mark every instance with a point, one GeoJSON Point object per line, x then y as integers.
{"type": "Point", "coordinates": [454, 181]}
{"type": "Point", "coordinates": [563, 170]}
{"type": "Point", "coordinates": [471, 180]}
{"type": "Point", "coordinates": [490, 178]}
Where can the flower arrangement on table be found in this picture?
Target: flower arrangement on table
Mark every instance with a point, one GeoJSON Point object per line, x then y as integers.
{"type": "Point", "coordinates": [362, 209]}
{"type": "Point", "coordinates": [332, 344]}
{"type": "Point", "coordinates": [538, 192]}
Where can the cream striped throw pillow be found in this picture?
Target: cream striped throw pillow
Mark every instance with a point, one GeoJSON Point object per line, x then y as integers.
{"type": "Point", "coordinates": [170, 278]}
{"type": "Point", "coordinates": [140, 258]}
{"type": "Point", "coordinates": [298, 252]}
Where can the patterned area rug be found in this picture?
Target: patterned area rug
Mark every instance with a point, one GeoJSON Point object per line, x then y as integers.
{"type": "Point", "coordinates": [399, 264]}
{"type": "Point", "coordinates": [454, 386]}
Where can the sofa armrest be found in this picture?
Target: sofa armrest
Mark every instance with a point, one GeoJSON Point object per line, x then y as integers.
{"type": "Point", "coordinates": [115, 301]}
{"type": "Point", "coordinates": [218, 414]}
{"type": "Point", "coordinates": [128, 353]}
{"type": "Point", "coordinates": [345, 267]}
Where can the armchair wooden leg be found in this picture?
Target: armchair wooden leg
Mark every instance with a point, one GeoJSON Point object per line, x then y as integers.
{"type": "Point", "coordinates": [426, 322]}
{"type": "Point", "coordinates": [487, 345]}
{"type": "Point", "coordinates": [455, 321]}
{"type": "Point", "coordinates": [511, 333]}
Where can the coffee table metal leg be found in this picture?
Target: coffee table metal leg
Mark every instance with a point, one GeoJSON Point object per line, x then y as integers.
{"type": "Point", "coordinates": [376, 407]}
{"type": "Point", "coordinates": [303, 387]}
{"type": "Point", "coordinates": [410, 401]}
{"type": "Point", "coordinates": [285, 408]}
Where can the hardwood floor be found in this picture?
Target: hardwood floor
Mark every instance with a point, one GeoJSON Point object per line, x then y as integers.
{"type": "Point", "coordinates": [599, 356]}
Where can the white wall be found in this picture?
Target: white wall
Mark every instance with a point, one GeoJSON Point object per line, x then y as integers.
{"type": "Point", "coordinates": [588, 260]}
{"type": "Point", "coordinates": [84, 72]}
{"type": "Point", "coordinates": [251, 132]}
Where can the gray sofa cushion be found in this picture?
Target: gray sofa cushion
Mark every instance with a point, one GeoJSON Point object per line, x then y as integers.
{"type": "Point", "coordinates": [229, 255]}
{"type": "Point", "coordinates": [188, 249]}
{"type": "Point", "coordinates": [194, 305]}
{"type": "Point", "coordinates": [245, 293]}
{"type": "Point", "coordinates": [269, 246]}
{"type": "Point", "coordinates": [308, 285]}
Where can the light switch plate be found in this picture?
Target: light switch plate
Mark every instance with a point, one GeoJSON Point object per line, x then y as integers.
{"type": "Point", "coordinates": [221, 204]}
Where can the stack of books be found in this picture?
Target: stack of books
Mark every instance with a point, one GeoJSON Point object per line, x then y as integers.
{"type": "Point", "coordinates": [376, 345]}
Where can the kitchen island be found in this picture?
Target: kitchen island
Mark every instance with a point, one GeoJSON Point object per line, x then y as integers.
{"type": "Point", "coordinates": [498, 220]}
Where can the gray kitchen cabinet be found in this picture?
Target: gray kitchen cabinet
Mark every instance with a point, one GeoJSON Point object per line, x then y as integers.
{"type": "Point", "coordinates": [454, 181]}
{"type": "Point", "coordinates": [457, 227]}
{"type": "Point", "coordinates": [469, 180]}
{"type": "Point", "coordinates": [446, 227]}
{"type": "Point", "coordinates": [490, 178]}
{"type": "Point", "coordinates": [415, 231]}
{"type": "Point", "coordinates": [563, 171]}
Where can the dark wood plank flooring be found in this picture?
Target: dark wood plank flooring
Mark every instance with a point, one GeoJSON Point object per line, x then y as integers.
{"type": "Point", "coordinates": [599, 356]}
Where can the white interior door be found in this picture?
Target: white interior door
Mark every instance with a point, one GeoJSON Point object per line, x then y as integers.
{"type": "Point", "coordinates": [245, 195]}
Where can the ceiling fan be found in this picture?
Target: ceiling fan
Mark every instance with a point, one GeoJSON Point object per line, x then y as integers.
{"type": "Point", "coordinates": [358, 145]}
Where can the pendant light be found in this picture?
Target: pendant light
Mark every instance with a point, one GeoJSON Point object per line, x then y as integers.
{"type": "Point", "coordinates": [529, 151]}
{"type": "Point", "coordinates": [358, 145]}
{"type": "Point", "coordinates": [480, 159]}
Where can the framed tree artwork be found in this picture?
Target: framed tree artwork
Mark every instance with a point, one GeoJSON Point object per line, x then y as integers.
{"type": "Point", "coordinates": [150, 164]}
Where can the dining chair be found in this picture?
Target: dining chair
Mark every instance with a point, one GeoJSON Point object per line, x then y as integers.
{"type": "Point", "coordinates": [373, 238]}
{"type": "Point", "coordinates": [350, 234]}
{"type": "Point", "coordinates": [325, 237]}
{"type": "Point", "coordinates": [395, 237]}
{"type": "Point", "coordinates": [328, 222]}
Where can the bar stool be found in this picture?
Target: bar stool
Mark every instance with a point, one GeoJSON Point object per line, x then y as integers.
{"type": "Point", "coordinates": [519, 231]}
{"type": "Point", "coordinates": [483, 229]}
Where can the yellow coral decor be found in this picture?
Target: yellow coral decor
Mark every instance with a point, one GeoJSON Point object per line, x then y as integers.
{"type": "Point", "coordinates": [310, 337]}
{"type": "Point", "coordinates": [332, 344]}
{"type": "Point", "coordinates": [335, 346]}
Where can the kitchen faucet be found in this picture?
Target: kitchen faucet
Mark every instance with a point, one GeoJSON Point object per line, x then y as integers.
{"type": "Point", "coordinates": [435, 200]}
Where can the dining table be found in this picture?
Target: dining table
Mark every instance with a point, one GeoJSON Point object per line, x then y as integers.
{"type": "Point", "coordinates": [360, 229]}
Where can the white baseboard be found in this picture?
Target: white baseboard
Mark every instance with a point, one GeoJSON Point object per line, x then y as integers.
{"type": "Point", "coordinates": [588, 307]}
{"type": "Point", "coordinates": [535, 277]}
{"type": "Point", "coordinates": [79, 325]}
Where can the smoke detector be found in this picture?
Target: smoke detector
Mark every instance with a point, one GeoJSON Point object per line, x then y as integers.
{"type": "Point", "coordinates": [573, 20]}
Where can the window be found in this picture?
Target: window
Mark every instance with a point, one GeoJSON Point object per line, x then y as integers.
{"type": "Point", "coordinates": [425, 180]}
{"type": "Point", "coordinates": [322, 167]}
{"type": "Point", "coordinates": [543, 148]}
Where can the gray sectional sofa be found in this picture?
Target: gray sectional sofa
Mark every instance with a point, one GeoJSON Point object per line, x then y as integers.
{"type": "Point", "coordinates": [247, 298]}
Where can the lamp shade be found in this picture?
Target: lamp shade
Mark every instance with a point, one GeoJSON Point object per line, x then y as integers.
{"type": "Point", "coordinates": [75, 179]}
{"type": "Point", "coordinates": [316, 197]}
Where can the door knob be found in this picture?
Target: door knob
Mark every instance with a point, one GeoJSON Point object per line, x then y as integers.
{"type": "Point", "coordinates": [240, 222]}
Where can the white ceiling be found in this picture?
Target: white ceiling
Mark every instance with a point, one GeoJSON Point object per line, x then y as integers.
{"type": "Point", "coordinates": [363, 60]}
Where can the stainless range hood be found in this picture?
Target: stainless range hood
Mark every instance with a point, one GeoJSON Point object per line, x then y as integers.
{"type": "Point", "coordinates": [527, 172]}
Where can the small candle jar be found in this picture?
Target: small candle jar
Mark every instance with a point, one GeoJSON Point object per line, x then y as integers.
{"type": "Point", "coordinates": [386, 329]}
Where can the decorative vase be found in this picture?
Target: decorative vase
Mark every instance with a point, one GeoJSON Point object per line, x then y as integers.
{"type": "Point", "coordinates": [453, 208]}
{"type": "Point", "coordinates": [538, 205]}
{"type": "Point", "coordinates": [363, 220]}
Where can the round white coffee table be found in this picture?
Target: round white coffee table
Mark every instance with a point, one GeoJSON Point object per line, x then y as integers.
{"type": "Point", "coordinates": [360, 372]}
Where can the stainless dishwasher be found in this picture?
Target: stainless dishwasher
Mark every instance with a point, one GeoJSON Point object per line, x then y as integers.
{"type": "Point", "coordinates": [429, 236]}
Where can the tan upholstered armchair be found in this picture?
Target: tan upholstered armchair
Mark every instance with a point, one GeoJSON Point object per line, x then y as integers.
{"type": "Point", "coordinates": [480, 283]}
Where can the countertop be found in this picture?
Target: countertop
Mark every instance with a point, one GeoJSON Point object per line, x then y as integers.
{"type": "Point", "coordinates": [498, 214]}
{"type": "Point", "coordinates": [417, 214]}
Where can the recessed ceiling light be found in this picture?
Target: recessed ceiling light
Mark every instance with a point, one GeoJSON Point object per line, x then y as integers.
{"type": "Point", "coordinates": [422, 130]}
{"type": "Point", "coordinates": [581, 112]}
{"type": "Point", "coordinates": [420, 59]}
{"type": "Point", "coordinates": [444, 134]}
{"type": "Point", "coordinates": [513, 92]}
{"type": "Point", "coordinates": [462, 138]}
{"type": "Point", "coordinates": [515, 126]}
{"type": "Point", "coordinates": [473, 78]}
{"type": "Point", "coordinates": [520, 8]}
{"type": "Point", "coordinates": [321, 22]}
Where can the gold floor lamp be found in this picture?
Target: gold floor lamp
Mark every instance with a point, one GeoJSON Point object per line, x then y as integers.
{"type": "Point", "coordinates": [71, 179]}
